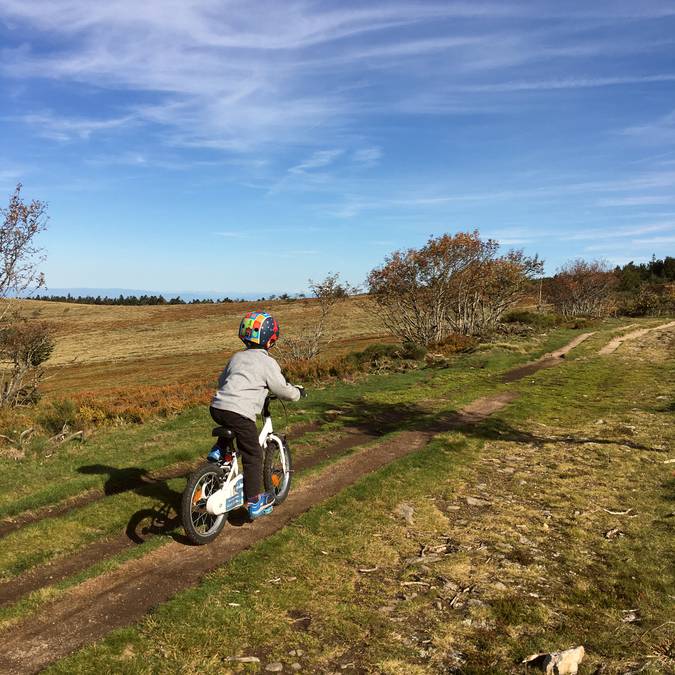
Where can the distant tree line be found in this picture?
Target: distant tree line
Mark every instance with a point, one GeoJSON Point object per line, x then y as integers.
{"type": "Point", "coordinates": [137, 300]}
{"type": "Point", "coordinates": [656, 271]}
{"type": "Point", "coordinates": [131, 300]}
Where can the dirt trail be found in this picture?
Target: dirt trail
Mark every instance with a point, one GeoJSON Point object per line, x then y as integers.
{"type": "Point", "coordinates": [546, 361]}
{"type": "Point", "coordinates": [127, 485]}
{"type": "Point", "coordinates": [616, 342]}
{"type": "Point", "coordinates": [104, 603]}
{"type": "Point", "coordinates": [53, 572]}
{"type": "Point", "coordinates": [91, 610]}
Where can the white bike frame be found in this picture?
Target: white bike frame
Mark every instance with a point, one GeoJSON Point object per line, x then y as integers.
{"type": "Point", "coordinates": [231, 495]}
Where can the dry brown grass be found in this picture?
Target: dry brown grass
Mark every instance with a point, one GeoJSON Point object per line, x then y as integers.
{"type": "Point", "coordinates": [100, 348]}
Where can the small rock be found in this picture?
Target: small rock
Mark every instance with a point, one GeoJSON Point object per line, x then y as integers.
{"type": "Point", "coordinates": [630, 616]}
{"type": "Point", "coordinates": [453, 508]}
{"type": "Point", "coordinates": [476, 501]}
{"type": "Point", "coordinates": [275, 667]}
{"type": "Point", "coordinates": [561, 663]}
{"type": "Point", "coordinates": [295, 666]}
{"type": "Point", "coordinates": [499, 586]}
{"type": "Point", "coordinates": [405, 511]}
{"type": "Point", "coordinates": [243, 659]}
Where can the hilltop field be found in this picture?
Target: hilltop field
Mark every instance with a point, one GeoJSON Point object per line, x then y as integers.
{"type": "Point", "coordinates": [99, 348]}
{"type": "Point", "coordinates": [449, 514]}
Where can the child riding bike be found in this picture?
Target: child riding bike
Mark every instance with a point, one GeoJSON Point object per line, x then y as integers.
{"type": "Point", "coordinates": [242, 388]}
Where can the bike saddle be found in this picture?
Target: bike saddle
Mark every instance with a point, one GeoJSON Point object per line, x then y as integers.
{"type": "Point", "coordinates": [223, 432]}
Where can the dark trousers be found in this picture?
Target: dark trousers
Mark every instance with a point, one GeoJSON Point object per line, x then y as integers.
{"type": "Point", "coordinates": [250, 451]}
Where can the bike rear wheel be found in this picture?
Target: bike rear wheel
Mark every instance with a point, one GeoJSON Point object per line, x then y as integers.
{"type": "Point", "coordinates": [201, 526]}
{"type": "Point", "coordinates": [277, 470]}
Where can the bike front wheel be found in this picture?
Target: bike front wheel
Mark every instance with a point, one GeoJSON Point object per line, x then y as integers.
{"type": "Point", "coordinates": [201, 526]}
{"type": "Point", "coordinates": [277, 469]}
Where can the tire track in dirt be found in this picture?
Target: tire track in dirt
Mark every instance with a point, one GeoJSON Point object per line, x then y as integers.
{"type": "Point", "coordinates": [99, 605]}
{"type": "Point", "coordinates": [60, 569]}
{"type": "Point", "coordinates": [132, 483]}
{"type": "Point", "coordinates": [54, 572]}
{"type": "Point", "coordinates": [546, 361]}
{"type": "Point", "coordinates": [616, 342]}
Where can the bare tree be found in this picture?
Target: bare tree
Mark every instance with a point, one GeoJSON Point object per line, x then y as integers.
{"type": "Point", "coordinates": [582, 288]}
{"type": "Point", "coordinates": [19, 256]}
{"type": "Point", "coordinates": [310, 342]}
{"type": "Point", "coordinates": [24, 345]}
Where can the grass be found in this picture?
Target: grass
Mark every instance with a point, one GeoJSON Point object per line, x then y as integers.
{"type": "Point", "coordinates": [113, 457]}
{"type": "Point", "coordinates": [531, 571]}
{"type": "Point", "coordinates": [76, 467]}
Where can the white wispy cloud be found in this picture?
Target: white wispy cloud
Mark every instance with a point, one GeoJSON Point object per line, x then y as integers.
{"type": "Point", "coordinates": [224, 77]}
{"type": "Point", "coordinates": [57, 128]}
{"type": "Point", "coordinates": [658, 132]}
{"type": "Point", "coordinates": [618, 233]}
{"type": "Point", "coordinates": [567, 83]}
{"type": "Point", "coordinates": [318, 160]}
{"type": "Point", "coordinates": [367, 157]}
{"type": "Point", "coordinates": [641, 200]}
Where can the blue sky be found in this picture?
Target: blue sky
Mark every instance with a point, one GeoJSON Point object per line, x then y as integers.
{"type": "Point", "coordinates": [244, 147]}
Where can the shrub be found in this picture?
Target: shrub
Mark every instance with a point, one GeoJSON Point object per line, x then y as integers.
{"type": "Point", "coordinates": [456, 344]}
{"type": "Point", "coordinates": [24, 347]}
{"type": "Point", "coordinates": [57, 415]}
{"type": "Point", "coordinates": [582, 288]}
{"type": "Point", "coordinates": [649, 302]}
{"type": "Point", "coordinates": [413, 352]}
{"type": "Point", "coordinates": [536, 319]}
{"type": "Point", "coordinates": [455, 283]}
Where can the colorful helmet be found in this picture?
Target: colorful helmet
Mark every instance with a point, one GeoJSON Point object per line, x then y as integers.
{"type": "Point", "coordinates": [257, 328]}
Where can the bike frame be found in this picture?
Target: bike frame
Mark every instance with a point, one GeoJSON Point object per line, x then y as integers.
{"type": "Point", "coordinates": [230, 496]}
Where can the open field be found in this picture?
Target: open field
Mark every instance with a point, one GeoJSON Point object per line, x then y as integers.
{"type": "Point", "coordinates": [417, 539]}
{"type": "Point", "coordinates": [99, 347]}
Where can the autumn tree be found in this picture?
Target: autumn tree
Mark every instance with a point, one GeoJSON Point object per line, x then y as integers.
{"type": "Point", "coordinates": [24, 348]}
{"type": "Point", "coordinates": [454, 284]}
{"type": "Point", "coordinates": [582, 288]}
{"type": "Point", "coordinates": [24, 345]}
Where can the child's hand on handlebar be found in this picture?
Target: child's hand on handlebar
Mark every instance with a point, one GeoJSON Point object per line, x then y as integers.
{"type": "Point", "coordinates": [301, 389]}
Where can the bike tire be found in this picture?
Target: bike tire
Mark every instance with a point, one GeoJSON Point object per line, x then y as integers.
{"type": "Point", "coordinates": [271, 469]}
{"type": "Point", "coordinates": [200, 526]}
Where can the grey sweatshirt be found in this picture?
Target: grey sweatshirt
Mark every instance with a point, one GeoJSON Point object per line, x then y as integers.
{"type": "Point", "coordinates": [243, 385]}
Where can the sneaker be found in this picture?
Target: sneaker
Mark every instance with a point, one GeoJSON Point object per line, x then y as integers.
{"type": "Point", "coordinates": [261, 506]}
{"type": "Point", "coordinates": [214, 455]}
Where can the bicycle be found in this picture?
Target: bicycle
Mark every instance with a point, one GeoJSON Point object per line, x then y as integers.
{"type": "Point", "coordinates": [217, 487]}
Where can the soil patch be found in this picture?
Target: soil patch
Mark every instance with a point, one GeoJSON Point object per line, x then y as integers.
{"type": "Point", "coordinates": [546, 361]}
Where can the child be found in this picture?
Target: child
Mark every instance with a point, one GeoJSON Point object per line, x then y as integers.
{"type": "Point", "coordinates": [242, 388]}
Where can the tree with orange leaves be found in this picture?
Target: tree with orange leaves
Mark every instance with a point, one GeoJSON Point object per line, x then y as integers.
{"type": "Point", "coordinates": [453, 284]}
